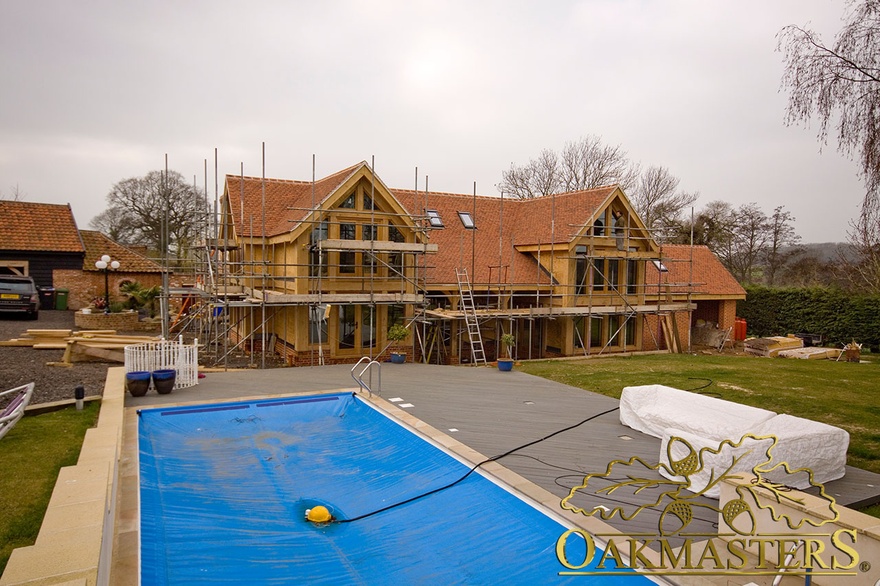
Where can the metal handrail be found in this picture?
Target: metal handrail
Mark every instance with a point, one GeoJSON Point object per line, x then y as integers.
{"type": "Point", "coordinates": [359, 378]}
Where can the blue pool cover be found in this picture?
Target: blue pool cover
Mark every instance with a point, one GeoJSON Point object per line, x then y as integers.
{"type": "Point", "coordinates": [224, 490]}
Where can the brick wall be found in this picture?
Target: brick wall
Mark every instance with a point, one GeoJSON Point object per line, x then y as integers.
{"type": "Point", "coordinates": [86, 285]}
{"type": "Point", "coordinates": [126, 321]}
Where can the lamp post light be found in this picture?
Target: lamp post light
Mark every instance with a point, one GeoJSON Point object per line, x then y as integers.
{"type": "Point", "coordinates": [105, 264]}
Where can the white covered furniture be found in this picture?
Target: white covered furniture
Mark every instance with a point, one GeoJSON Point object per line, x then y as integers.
{"type": "Point", "coordinates": [705, 422]}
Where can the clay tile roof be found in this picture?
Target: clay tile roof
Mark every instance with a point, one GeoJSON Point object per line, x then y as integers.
{"type": "Point", "coordinates": [97, 245]}
{"type": "Point", "coordinates": [571, 211]}
{"type": "Point", "coordinates": [287, 202]}
{"type": "Point", "coordinates": [708, 275]}
{"type": "Point", "coordinates": [491, 261]}
{"type": "Point", "coordinates": [38, 227]}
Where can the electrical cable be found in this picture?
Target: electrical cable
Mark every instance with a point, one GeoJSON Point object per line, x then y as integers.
{"type": "Point", "coordinates": [473, 469]}
{"type": "Point", "coordinates": [581, 474]}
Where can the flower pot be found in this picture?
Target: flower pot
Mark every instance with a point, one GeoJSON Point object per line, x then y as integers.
{"type": "Point", "coordinates": [137, 383]}
{"type": "Point", "coordinates": [398, 357]}
{"type": "Point", "coordinates": [163, 380]}
{"type": "Point", "coordinates": [505, 365]}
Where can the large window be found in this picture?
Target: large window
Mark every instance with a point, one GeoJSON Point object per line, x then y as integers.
{"type": "Point", "coordinates": [318, 259]}
{"type": "Point", "coordinates": [347, 231]}
{"type": "Point", "coordinates": [368, 326]}
{"type": "Point", "coordinates": [632, 277]}
{"type": "Point", "coordinates": [613, 273]}
{"type": "Point", "coordinates": [347, 326]}
{"type": "Point", "coordinates": [599, 274]}
{"type": "Point", "coordinates": [580, 273]}
{"type": "Point", "coordinates": [318, 324]}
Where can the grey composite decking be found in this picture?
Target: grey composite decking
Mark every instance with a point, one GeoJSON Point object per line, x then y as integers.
{"type": "Point", "coordinates": [494, 412]}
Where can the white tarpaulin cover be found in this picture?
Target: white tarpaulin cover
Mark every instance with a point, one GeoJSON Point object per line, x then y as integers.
{"type": "Point", "coordinates": [706, 422]}
{"type": "Point", "coordinates": [653, 409]}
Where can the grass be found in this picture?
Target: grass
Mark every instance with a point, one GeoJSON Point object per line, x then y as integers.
{"type": "Point", "coordinates": [31, 455]}
{"type": "Point", "coordinates": [837, 393]}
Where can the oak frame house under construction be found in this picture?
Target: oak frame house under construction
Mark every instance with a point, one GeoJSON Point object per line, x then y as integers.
{"type": "Point", "coordinates": [317, 271]}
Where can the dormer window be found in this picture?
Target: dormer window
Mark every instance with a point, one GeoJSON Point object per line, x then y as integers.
{"type": "Point", "coordinates": [467, 220]}
{"type": "Point", "coordinates": [434, 218]}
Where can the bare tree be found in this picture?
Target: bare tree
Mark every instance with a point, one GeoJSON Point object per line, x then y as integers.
{"type": "Point", "coordinates": [839, 85]}
{"type": "Point", "coordinates": [582, 164]}
{"type": "Point", "coordinates": [116, 224]}
{"type": "Point", "coordinates": [712, 227]}
{"type": "Point", "coordinates": [164, 213]}
{"type": "Point", "coordinates": [782, 243]}
{"type": "Point", "coordinates": [587, 163]}
{"type": "Point", "coordinates": [659, 202]}
{"type": "Point", "coordinates": [748, 243]}
{"type": "Point", "coordinates": [863, 272]}
{"type": "Point", "coordinates": [15, 194]}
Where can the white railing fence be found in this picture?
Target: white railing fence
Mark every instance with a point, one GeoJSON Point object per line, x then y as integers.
{"type": "Point", "coordinates": [183, 358]}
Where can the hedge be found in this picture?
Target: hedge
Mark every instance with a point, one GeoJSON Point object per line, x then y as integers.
{"type": "Point", "coordinates": [838, 316]}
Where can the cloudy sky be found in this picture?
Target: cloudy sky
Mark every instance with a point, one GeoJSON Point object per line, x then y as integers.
{"type": "Point", "coordinates": [95, 92]}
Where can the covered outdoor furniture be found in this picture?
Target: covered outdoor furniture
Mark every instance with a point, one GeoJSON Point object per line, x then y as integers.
{"type": "Point", "coordinates": [706, 422]}
{"type": "Point", "coordinates": [18, 399]}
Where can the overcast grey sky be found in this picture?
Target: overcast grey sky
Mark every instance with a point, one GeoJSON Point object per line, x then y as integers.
{"type": "Point", "coordinates": [95, 92]}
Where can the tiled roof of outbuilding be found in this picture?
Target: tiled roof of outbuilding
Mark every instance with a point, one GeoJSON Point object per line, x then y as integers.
{"type": "Point", "coordinates": [707, 275]}
{"type": "Point", "coordinates": [30, 226]}
{"type": "Point", "coordinates": [97, 245]}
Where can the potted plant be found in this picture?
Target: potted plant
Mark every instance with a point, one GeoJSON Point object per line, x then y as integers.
{"type": "Point", "coordinates": [506, 364]}
{"type": "Point", "coordinates": [396, 334]}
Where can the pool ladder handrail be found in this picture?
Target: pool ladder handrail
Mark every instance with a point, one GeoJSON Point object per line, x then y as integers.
{"type": "Point", "coordinates": [359, 378]}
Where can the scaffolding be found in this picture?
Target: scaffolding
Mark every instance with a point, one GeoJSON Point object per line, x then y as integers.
{"type": "Point", "coordinates": [239, 284]}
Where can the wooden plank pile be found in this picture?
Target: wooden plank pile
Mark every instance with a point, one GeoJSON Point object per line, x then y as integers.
{"type": "Point", "coordinates": [81, 346]}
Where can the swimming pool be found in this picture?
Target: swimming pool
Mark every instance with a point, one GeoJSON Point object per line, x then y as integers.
{"type": "Point", "coordinates": [224, 490]}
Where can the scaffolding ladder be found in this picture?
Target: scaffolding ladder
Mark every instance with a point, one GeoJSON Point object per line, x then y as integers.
{"type": "Point", "coordinates": [478, 354]}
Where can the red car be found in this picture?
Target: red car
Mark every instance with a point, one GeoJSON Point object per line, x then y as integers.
{"type": "Point", "coordinates": [19, 294]}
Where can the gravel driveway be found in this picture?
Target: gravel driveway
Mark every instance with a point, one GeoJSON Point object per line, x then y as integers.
{"type": "Point", "coordinates": [19, 366]}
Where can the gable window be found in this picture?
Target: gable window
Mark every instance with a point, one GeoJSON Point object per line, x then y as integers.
{"type": "Point", "coordinates": [348, 202]}
{"type": "Point", "coordinates": [467, 220]}
{"type": "Point", "coordinates": [599, 227]}
{"type": "Point", "coordinates": [434, 218]}
{"type": "Point", "coordinates": [395, 235]}
{"type": "Point", "coordinates": [368, 202]}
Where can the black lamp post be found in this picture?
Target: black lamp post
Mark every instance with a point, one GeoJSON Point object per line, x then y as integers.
{"type": "Point", "coordinates": [105, 264]}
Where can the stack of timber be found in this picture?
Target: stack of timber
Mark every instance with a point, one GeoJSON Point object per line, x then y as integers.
{"type": "Point", "coordinates": [771, 346]}
{"type": "Point", "coordinates": [811, 353]}
{"type": "Point", "coordinates": [81, 346]}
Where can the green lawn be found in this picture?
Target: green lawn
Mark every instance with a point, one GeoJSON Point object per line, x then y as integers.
{"type": "Point", "coordinates": [838, 393]}
{"type": "Point", "coordinates": [30, 457]}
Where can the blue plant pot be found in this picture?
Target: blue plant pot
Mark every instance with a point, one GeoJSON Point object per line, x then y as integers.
{"type": "Point", "coordinates": [505, 365]}
{"type": "Point", "coordinates": [137, 383]}
{"type": "Point", "coordinates": [164, 380]}
{"type": "Point", "coordinates": [398, 357]}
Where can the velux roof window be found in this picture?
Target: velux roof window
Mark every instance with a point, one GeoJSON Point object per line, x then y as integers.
{"type": "Point", "coordinates": [434, 218]}
{"type": "Point", "coordinates": [660, 266]}
{"type": "Point", "coordinates": [467, 220]}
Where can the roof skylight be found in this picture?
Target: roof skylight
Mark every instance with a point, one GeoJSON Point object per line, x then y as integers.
{"type": "Point", "coordinates": [434, 218]}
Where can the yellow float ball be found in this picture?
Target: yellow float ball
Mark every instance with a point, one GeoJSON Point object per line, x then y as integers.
{"type": "Point", "coordinates": [319, 514]}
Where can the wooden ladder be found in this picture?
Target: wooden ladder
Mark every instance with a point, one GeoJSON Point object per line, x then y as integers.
{"type": "Point", "coordinates": [478, 354]}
